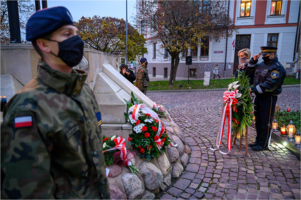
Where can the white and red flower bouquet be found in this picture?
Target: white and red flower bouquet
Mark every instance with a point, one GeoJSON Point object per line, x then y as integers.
{"type": "Point", "coordinates": [149, 134]}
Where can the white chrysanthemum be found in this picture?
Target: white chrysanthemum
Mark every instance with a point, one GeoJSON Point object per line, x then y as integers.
{"type": "Point", "coordinates": [104, 145]}
{"type": "Point", "coordinates": [133, 121]}
{"type": "Point", "coordinates": [113, 137]}
{"type": "Point", "coordinates": [137, 129]}
{"type": "Point", "coordinates": [149, 120]}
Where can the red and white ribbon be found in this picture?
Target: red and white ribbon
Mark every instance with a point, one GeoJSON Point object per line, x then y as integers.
{"type": "Point", "coordinates": [159, 142]}
{"type": "Point", "coordinates": [120, 145]}
{"type": "Point", "coordinates": [162, 109]}
{"type": "Point", "coordinates": [135, 113]}
{"type": "Point", "coordinates": [229, 100]}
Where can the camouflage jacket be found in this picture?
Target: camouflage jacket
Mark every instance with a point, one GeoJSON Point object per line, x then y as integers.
{"type": "Point", "coordinates": [51, 140]}
{"type": "Point", "coordinates": [142, 79]}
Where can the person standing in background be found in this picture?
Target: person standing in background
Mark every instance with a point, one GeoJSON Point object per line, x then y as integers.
{"type": "Point", "coordinates": [127, 73]}
{"type": "Point", "coordinates": [142, 81]}
{"type": "Point", "coordinates": [243, 58]}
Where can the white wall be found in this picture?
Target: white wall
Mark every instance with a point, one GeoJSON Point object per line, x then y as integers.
{"type": "Point", "coordinates": [294, 11]}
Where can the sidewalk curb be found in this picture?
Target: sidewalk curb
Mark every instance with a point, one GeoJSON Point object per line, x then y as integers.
{"type": "Point", "coordinates": [289, 145]}
{"type": "Point", "coordinates": [206, 90]}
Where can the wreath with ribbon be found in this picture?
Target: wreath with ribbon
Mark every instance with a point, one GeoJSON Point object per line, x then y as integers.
{"type": "Point", "coordinates": [149, 135]}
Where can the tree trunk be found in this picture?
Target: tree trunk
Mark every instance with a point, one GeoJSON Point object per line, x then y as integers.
{"type": "Point", "coordinates": [173, 71]}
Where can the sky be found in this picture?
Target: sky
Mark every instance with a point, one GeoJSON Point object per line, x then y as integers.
{"type": "Point", "coordinates": [102, 8]}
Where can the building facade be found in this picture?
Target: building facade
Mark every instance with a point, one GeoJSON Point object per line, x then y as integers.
{"type": "Point", "coordinates": [258, 23]}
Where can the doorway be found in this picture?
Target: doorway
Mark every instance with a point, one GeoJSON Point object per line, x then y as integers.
{"type": "Point", "coordinates": [241, 42]}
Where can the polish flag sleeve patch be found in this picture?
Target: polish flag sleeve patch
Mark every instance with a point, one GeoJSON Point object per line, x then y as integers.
{"type": "Point", "coordinates": [23, 121]}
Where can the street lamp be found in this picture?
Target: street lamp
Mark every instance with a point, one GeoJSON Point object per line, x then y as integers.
{"type": "Point", "coordinates": [126, 33]}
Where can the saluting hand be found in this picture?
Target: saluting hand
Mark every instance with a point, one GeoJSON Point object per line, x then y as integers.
{"type": "Point", "coordinates": [256, 56]}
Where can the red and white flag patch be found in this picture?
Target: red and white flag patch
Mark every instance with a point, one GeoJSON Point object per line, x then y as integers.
{"type": "Point", "coordinates": [24, 121]}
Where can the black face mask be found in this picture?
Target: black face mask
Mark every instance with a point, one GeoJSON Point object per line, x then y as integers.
{"type": "Point", "coordinates": [266, 59]}
{"type": "Point", "coordinates": [71, 51]}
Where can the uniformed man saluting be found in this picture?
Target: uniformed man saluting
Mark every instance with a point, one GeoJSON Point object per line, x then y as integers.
{"type": "Point", "coordinates": [142, 80]}
{"type": "Point", "coordinates": [268, 79]}
{"type": "Point", "coordinates": [51, 139]}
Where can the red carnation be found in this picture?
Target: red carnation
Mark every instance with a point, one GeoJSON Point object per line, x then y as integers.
{"type": "Point", "coordinates": [129, 139]}
{"type": "Point", "coordinates": [150, 147]}
{"type": "Point", "coordinates": [156, 121]}
{"type": "Point", "coordinates": [139, 147]}
{"type": "Point", "coordinates": [156, 137]}
{"type": "Point", "coordinates": [142, 150]}
{"type": "Point", "coordinates": [154, 128]}
{"type": "Point", "coordinates": [144, 128]}
{"type": "Point", "coordinates": [148, 115]}
{"type": "Point", "coordinates": [288, 110]}
{"type": "Point", "coordinates": [163, 140]}
{"type": "Point", "coordinates": [166, 136]}
{"type": "Point", "coordinates": [138, 122]}
{"type": "Point", "coordinates": [146, 135]}
{"type": "Point", "coordinates": [105, 139]}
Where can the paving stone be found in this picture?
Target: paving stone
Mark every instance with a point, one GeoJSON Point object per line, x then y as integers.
{"type": "Point", "coordinates": [199, 195]}
{"type": "Point", "coordinates": [190, 191]}
{"type": "Point", "coordinates": [167, 197]}
{"type": "Point", "coordinates": [174, 191]}
{"type": "Point", "coordinates": [194, 185]}
{"type": "Point", "coordinates": [182, 184]}
{"type": "Point", "coordinates": [202, 189]}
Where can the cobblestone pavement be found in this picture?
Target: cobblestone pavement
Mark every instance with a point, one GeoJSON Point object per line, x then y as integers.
{"type": "Point", "coordinates": [273, 174]}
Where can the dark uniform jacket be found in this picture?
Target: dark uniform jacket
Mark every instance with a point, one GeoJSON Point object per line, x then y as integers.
{"type": "Point", "coordinates": [142, 78]}
{"type": "Point", "coordinates": [268, 78]}
{"type": "Point", "coordinates": [57, 153]}
{"type": "Point", "coordinates": [131, 77]}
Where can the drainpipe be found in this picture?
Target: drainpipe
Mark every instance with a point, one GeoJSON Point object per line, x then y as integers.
{"type": "Point", "coordinates": [297, 38]}
{"type": "Point", "coordinates": [225, 64]}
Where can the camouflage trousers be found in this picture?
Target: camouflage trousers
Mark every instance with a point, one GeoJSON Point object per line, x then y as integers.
{"type": "Point", "coordinates": [144, 90]}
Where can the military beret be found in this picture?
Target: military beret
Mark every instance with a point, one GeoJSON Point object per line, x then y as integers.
{"type": "Point", "coordinates": [47, 21]}
{"type": "Point", "coordinates": [266, 50]}
{"type": "Point", "coordinates": [142, 60]}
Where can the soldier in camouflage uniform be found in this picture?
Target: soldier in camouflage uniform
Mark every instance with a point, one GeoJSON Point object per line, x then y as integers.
{"type": "Point", "coordinates": [142, 80]}
{"type": "Point", "coordinates": [51, 136]}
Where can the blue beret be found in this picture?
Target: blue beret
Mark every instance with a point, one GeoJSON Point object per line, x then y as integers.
{"type": "Point", "coordinates": [47, 21]}
{"type": "Point", "coordinates": [142, 60]}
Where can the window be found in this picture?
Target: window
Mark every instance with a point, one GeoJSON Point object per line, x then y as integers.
{"type": "Point", "coordinates": [165, 53]}
{"type": "Point", "coordinates": [143, 27]}
{"type": "Point", "coordinates": [245, 8]}
{"type": "Point", "coordinates": [276, 7]}
{"type": "Point", "coordinates": [205, 47]}
{"type": "Point", "coordinates": [154, 51]}
{"type": "Point", "coordinates": [206, 6]}
{"type": "Point", "coordinates": [194, 50]}
{"type": "Point", "coordinates": [192, 73]}
{"type": "Point", "coordinates": [165, 73]}
{"type": "Point", "coordinates": [185, 53]}
{"type": "Point", "coordinates": [272, 40]}
{"type": "Point", "coordinates": [154, 71]}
